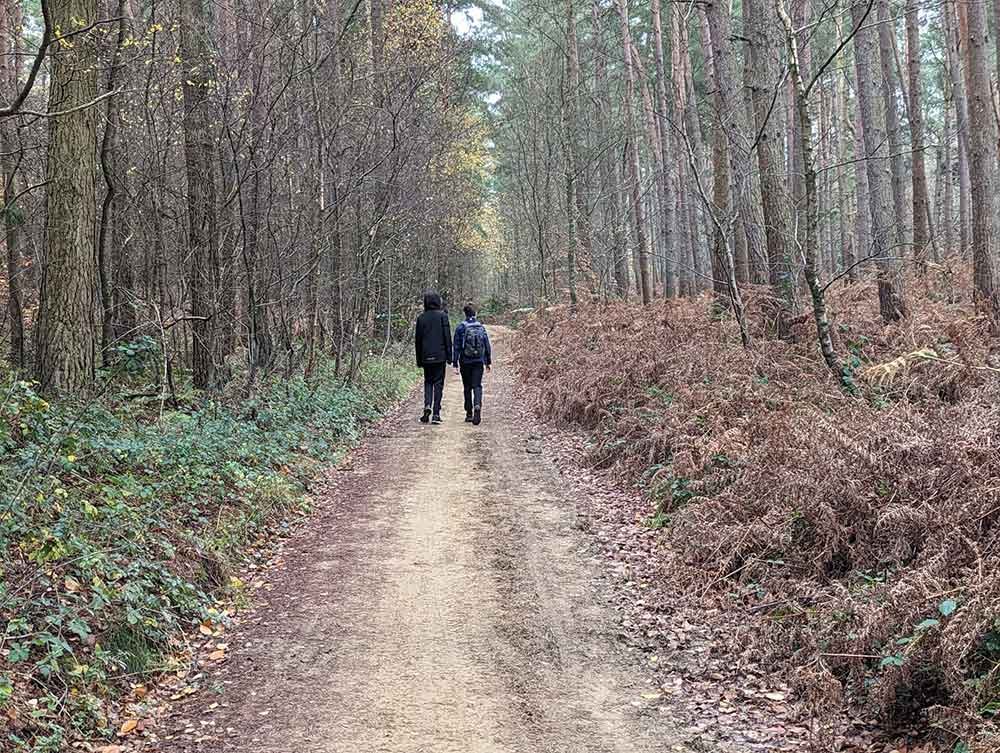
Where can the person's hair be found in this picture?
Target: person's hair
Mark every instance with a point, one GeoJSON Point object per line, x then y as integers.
{"type": "Point", "coordinates": [470, 311]}
{"type": "Point", "coordinates": [432, 300]}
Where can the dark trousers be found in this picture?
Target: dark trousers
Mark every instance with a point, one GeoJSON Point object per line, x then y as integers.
{"type": "Point", "coordinates": [434, 385]}
{"type": "Point", "coordinates": [472, 383]}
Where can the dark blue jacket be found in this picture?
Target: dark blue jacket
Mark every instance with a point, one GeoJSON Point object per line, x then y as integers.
{"type": "Point", "coordinates": [487, 357]}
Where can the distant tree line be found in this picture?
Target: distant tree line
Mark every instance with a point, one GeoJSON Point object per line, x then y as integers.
{"type": "Point", "coordinates": [251, 183]}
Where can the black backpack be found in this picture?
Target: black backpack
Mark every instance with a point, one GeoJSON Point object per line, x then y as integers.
{"type": "Point", "coordinates": [474, 347]}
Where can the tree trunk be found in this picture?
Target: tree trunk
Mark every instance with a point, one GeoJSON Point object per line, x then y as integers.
{"type": "Point", "coordinates": [921, 208]}
{"type": "Point", "coordinates": [67, 320]}
{"type": "Point", "coordinates": [945, 208]}
{"type": "Point", "coordinates": [732, 116]}
{"type": "Point", "coordinates": [687, 251]}
{"type": "Point", "coordinates": [982, 159]}
{"type": "Point", "coordinates": [642, 249]}
{"type": "Point", "coordinates": [890, 277]}
{"type": "Point", "coordinates": [581, 192]}
{"type": "Point", "coordinates": [720, 210]}
{"type": "Point", "coordinates": [961, 125]}
{"type": "Point", "coordinates": [811, 208]}
{"type": "Point", "coordinates": [890, 100]}
{"type": "Point", "coordinates": [764, 46]}
{"type": "Point", "coordinates": [669, 216]}
{"type": "Point", "coordinates": [801, 19]}
{"type": "Point", "coordinates": [10, 157]}
{"type": "Point", "coordinates": [109, 262]}
{"type": "Point", "coordinates": [199, 158]}
{"type": "Point", "coordinates": [863, 216]}
{"type": "Point", "coordinates": [611, 187]}
{"type": "Point", "coordinates": [848, 240]}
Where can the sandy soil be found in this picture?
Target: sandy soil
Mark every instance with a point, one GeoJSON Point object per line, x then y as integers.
{"type": "Point", "coordinates": [442, 598]}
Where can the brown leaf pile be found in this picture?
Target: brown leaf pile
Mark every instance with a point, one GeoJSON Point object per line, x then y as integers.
{"type": "Point", "coordinates": [863, 526]}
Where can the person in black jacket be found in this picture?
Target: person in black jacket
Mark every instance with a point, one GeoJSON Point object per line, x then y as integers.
{"type": "Point", "coordinates": [433, 341]}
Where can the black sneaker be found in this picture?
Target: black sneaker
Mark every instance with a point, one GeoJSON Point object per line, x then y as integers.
{"type": "Point", "coordinates": [468, 417]}
{"type": "Point", "coordinates": [477, 416]}
{"type": "Point", "coordinates": [436, 419]}
{"type": "Point", "coordinates": [426, 417]}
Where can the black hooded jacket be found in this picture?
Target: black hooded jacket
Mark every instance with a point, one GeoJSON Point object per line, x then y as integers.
{"type": "Point", "coordinates": [433, 335]}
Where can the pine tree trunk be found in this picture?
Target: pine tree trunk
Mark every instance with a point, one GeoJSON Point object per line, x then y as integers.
{"type": "Point", "coordinates": [669, 216]}
{"type": "Point", "coordinates": [610, 186]}
{"type": "Point", "coordinates": [890, 100]}
{"type": "Point", "coordinates": [581, 183]}
{"type": "Point", "coordinates": [10, 155]}
{"type": "Point", "coordinates": [67, 320]}
{"type": "Point", "coordinates": [946, 207]}
{"type": "Point", "coordinates": [921, 207]}
{"type": "Point", "coordinates": [111, 268]}
{"type": "Point", "coordinates": [199, 158]}
{"type": "Point", "coordinates": [678, 70]}
{"type": "Point", "coordinates": [765, 44]}
{"type": "Point", "coordinates": [642, 249]}
{"type": "Point", "coordinates": [872, 116]}
{"type": "Point", "coordinates": [732, 115]}
{"type": "Point", "coordinates": [982, 158]}
{"type": "Point", "coordinates": [961, 126]}
{"type": "Point", "coordinates": [863, 217]}
{"type": "Point", "coordinates": [849, 251]}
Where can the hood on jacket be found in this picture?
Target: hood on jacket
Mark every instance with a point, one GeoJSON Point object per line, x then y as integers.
{"type": "Point", "coordinates": [432, 301]}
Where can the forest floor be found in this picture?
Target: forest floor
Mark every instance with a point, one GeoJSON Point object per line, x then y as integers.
{"type": "Point", "coordinates": [454, 590]}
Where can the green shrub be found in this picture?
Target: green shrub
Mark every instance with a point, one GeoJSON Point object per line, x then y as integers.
{"type": "Point", "coordinates": [120, 526]}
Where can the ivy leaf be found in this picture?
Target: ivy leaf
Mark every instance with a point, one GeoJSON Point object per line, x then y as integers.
{"type": "Point", "coordinates": [892, 661]}
{"type": "Point", "coordinates": [18, 653]}
{"type": "Point", "coordinates": [948, 607]}
{"type": "Point", "coordinates": [79, 628]}
{"type": "Point", "coordinates": [928, 624]}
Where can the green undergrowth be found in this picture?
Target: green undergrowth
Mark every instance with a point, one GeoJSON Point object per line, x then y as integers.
{"type": "Point", "coordinates": [121, 524]}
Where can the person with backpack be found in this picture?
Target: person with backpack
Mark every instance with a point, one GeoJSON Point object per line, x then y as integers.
{"type": "Point", "coordinates": [433, 342]}
{"type": "Point", "coordinates": [473, 355]}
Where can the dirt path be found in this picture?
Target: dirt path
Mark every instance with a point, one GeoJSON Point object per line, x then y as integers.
{"type": "Point", "coordinates": [442, 598]}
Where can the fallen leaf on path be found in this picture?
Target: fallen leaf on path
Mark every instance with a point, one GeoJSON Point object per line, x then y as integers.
{"type": "Point", "coordinates": [128, 727]}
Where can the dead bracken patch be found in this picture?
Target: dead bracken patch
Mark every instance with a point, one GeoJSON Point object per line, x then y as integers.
{"type": "Point", "coordinates": [862, 526]}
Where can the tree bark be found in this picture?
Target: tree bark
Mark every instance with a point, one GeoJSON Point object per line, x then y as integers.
{"type": "Point", "coordinates": [921, 207]}
{"type": "Point", "coordinates": [665, 116]}
{"type": "Point", "coordinates": [982, 158]}
{"type": "Point", "coordinates": [67, 320]}
{"type": "Point", "coordinates": [961, 125]}
{"type": "Point", "coordinates": [945, 208]}
{"type": "Point", "coordinates": [10, 157]}
{"type": "Point", "coordinates": [764, 44]}
{"type": "Point", "coordinates": [199, 158]}
{"type": "Point", "coordinates": [642, 248]}
{"type": "Point", "coordinates": [687, 251]}
{"type": "Point", "coordinates": [732, 115]}
{"type": "Point", "coordinates": [862, 214]}
{"type": "Point", "coordinates": [823, 335]}
{"type": "Point", "coordinates": [611, 187]}
{"type": "Point", "coordinates": [889, 88]}
{"type": "Point", "coordinates": [109, 263]}
{"type": "Point", "coordinates": [581, 192]}
{"type": "Point", "coordinates": [877, 147]}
